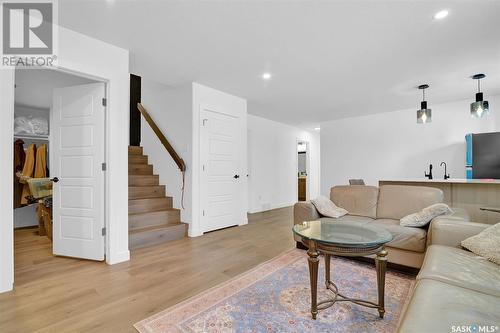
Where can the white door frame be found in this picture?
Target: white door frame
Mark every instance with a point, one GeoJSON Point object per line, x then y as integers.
{"type": "Point", "coordinates": [308, 167]}
{"type": "Point", "coordinates": [7, 83]}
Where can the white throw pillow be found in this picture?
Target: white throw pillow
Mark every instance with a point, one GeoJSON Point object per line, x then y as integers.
{"type": "Point", "coordinates": [326, 207]}
{"type": "Point", "coordinates": [485, 244]}
{"type": "Point", "coordinates": [426, 215]}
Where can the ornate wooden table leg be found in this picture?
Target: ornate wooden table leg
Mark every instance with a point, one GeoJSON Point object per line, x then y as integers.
{"type": "Point", "coordinates": [313, 273]}
{"type": "Point", "coordinates": [327, 270]}
{"type": "Point", "coordinates": [381, 263]}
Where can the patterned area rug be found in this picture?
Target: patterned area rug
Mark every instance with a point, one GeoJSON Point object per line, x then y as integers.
{"type": "Point", "coordinates": [275, 297]}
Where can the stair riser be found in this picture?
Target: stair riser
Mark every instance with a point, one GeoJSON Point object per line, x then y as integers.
{"type": "Point", "coordinates": [143, 192]}
{"type": "Point", "coordinates": [140, 169]}
{"type": "Point", "coordinates": [133, 150]}
{"type": "Point", "coordinates": [144, 220]}
{"type": "Point", "coordinates": [149, 205]}
{"type": "Point", "coordinates": [137, 159]}
{"type": "Point", "coordinates": [155, 237]}
{"type": "Point", "coordinates": [144, 180]}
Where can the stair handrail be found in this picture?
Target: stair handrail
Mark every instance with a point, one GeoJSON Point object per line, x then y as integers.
{"type": "Point", "coordinates": [177, 159]}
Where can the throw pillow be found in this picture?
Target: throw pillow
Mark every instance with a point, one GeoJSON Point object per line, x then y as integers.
{"type": "Point", "coordinates": [485, 244]}
{"type": "Point", "coordinates": [426, 215]}
{"type": "Point", "coordinates": [326, 207]}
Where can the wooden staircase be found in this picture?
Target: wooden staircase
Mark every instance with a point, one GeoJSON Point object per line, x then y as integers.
{"type": "Point", "coordinates": [152, 218]}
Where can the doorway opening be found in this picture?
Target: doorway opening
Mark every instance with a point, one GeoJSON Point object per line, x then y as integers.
{"type": "Point", "coordinates": [302, 170]}
{"type": "Point", "coordinates": [59, 184]}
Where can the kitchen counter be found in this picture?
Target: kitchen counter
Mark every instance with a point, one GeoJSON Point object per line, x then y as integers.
{"type": "Point", "coordinates": [470, 194]}
{"type": "Point", "coordinates": [447, 181]}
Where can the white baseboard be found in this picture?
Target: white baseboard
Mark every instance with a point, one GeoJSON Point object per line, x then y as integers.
{"type": "Point", "coordinates": [7, 287]}
{"type": "Point", "coordinates": [118, 258]}
{"type": "Point", "coordinates": [194, 232]}
{"type": "Point", "coordinates": [273, 206]}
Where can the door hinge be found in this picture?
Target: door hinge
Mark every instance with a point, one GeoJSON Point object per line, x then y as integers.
{"type": "Point", "coordinates": [203, 213]}
{"type": "Point", "coordinates": [104, 102]}
{"type": "Point", "coordinates": [103, 231]}
{"type": "Point", "coordinates": [103, 166]}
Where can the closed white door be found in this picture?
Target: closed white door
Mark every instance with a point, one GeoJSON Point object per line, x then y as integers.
{"type": "Point", "coordinates": [77, 153]}
{"type": "Point", "coordinates": [221, 176]}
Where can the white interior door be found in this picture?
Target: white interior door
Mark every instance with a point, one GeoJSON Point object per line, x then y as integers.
{"type": "Point", "coordinates": [77, 152]}
{"type": "Point", "coordinates": [221, 176]}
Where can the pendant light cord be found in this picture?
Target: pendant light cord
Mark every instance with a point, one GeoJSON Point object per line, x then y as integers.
{"type": "Point", "coordinates": [479, 85]}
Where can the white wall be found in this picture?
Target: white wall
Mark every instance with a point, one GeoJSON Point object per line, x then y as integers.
{"type": "Point", "coordinates": [171, 109]}
{"type": "Point", "coordinates": [6, 181]}
{"type": "Point", "coordinates": [392, 145]}
{"type": "Point", "coordinates": [97, 60]}
{"type": "Point", "coordinates": [272, 163]}
{"type": "Point", "coordinates": [204, 96]}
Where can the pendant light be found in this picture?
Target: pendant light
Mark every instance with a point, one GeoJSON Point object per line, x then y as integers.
{"type": "Point", "coordinates": [424, 115]}
{"type": "Point", "coordinates": [479, 108]}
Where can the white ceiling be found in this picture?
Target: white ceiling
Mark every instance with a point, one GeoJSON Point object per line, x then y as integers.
{"type": "Point", "coordinates": [34, 87]}
{"type": "Point", "coordinates": [329, 59]}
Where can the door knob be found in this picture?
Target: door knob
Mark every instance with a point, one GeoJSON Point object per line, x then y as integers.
{"type": "Point", "coordinates": [55, 179]}
{"type": "Point", "coordinates": [236, 176]}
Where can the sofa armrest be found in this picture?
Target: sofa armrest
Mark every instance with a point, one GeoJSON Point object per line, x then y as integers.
{"type": "Point", "coordinates": [451, 232]}
{"type": "Point", "coordinates": [304, 211]}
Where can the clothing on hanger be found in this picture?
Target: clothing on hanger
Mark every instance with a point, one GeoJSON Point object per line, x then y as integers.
{"type": "Point", "coordinates": [41, 162]}
{"type": "Point", "coordinates": [19, 157]}
{"type": "Point", "coordinates": [29, 166]}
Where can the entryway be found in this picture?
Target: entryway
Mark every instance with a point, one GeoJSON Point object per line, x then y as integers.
{"type": "Point", "coordinates": [302, 170]}
{"type": "Point", "coordinates": [59, 163]}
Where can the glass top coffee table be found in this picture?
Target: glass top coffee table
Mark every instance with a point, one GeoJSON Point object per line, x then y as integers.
{"type": "Point", "coordinates": [347, 240]}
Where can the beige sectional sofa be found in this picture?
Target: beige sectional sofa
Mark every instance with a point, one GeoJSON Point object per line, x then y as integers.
{"type": "Point", "coordinates": [384, 207]}
{"type": "Point", "coordinates": [456, 290]}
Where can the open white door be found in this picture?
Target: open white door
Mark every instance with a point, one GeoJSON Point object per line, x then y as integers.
{"type": "Point", "coordinates": [220, 194]}
{"type": "Point", "coordinates": [77, 154]}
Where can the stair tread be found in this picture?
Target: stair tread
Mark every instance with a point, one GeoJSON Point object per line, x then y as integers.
{"type": "Point", "coordinates": [145, 192]}
{"type": "Point", "coordinates": [135, 150]}
{"type": "Point", "coordinates": [155, 211]}
{"type": "Point", "coordinates": [157, 227]}
{"type": "Point", "coordinates": [156, 199]}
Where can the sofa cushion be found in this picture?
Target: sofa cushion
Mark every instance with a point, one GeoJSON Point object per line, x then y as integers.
{"type": "Point", "coordinates": [436, 307]}
{"type": "Point", "coordinates": [327, 208]}
{"type": "Point", "coordinates": [423, 217]}
{"type": "Point", "coordinates": [486, 243]}
{"type": "Point", "coordinates": [397, 201]}
{"type": "Point", "coordinates": [461, 268]}
{"type": "Point", "coordinates": [358, 220]}
{"type": "Point", "coordinates": [405, 238]}
{"type": "Point", "coordinates": [356, 199]}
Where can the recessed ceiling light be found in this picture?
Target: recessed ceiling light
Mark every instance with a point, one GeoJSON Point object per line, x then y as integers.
{"type": "Point", "coordinates": [266, 76]}
{"type": "Point", "coordinates": [317, 128]}
{"type": "Point", "coordinates": [441, 14]}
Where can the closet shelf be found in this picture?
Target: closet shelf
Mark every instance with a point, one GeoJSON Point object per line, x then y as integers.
{"type": "Point", "coordinates": [32, 137]}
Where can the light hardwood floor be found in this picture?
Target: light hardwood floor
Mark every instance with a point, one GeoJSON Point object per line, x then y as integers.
{"type": "Point", "coordinates": [55, 294]}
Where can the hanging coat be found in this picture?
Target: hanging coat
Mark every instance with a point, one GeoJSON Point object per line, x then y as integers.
{"type": "Point", "coordinates": [19, 157]}
{"type": "Point", "coordinates": [29, 166]}
{"type": "Point", "coordinates": [41, 162]}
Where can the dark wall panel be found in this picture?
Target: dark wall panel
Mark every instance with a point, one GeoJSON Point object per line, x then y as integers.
{"type": "Point", "coordinates": [135, 115]}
